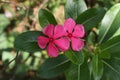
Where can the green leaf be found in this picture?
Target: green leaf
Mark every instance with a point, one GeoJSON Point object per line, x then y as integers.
{"type": "Point", "coordinates": [104, 55]}
{"type": "Point", "coordinates": [97, 66]}
{"type": "Point", "coordinates": [27, 41]}
{"type": "Point", "coordinates": [72, 72]}
{"type": "Point", "coordinates": [74, 8]}
{"type": "Point", "coordinates": [110, 24]}
{"type": "Point", "coordinates": [112, 69]}
{"type": "Point", "coordinates": [91, 38]}
{"type": "Point", "coordinates": [46, 17]}
{"type": "Point", "coordinates": [111, 46]}
{"type": "Point", "coordinates": [93, 18]}
{"type": "Point", "coordinates": [75, 57]}
{"type": "Point", "coordinates": [53, 67]}
{"type": "Point", "coordinates": [107, 3]}
{"type": "Point", "coordinates": [21, 69]}
{"type": "Point", "coordinates": [116, 33]}
{"type": "Point", "coordinates": [4, 21]}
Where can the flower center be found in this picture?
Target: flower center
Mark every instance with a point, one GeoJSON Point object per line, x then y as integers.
{"type": "Point", "coordinates": [51, 39]}
{"type": "Point", "coordinates": [69, 35]}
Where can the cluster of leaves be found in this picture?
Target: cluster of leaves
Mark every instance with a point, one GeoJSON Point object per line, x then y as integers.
{"type": "Point", "coordinates": [99, 60]}
{"type": "Point", "coordinates": [18, 16]}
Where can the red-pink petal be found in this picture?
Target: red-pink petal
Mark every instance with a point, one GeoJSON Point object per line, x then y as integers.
{"type": "Point", "coordinates": [48, 30]}
{"type": "Point", "coordinates": [79, 31]}
{"type": "Point", "coordinates": [77, 44]}
{"type": "Point", "coordinates": [59, 31]}
{"type": "Point", "coordinates": [69, 25]}
{"type": "Point", "coordinates": [52, 50]}
{"type": "Point", "coordinates": [42, 41]}
{"type": "Point", "coordinates": [62, 43]}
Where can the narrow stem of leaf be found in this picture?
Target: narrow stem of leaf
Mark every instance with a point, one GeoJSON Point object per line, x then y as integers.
{"type": "Point", "coordinates": [17, 54]}
{"type": "Point", "coordinates": [14, 58]}
{"type": "Point", "coordinates": [79, 71]}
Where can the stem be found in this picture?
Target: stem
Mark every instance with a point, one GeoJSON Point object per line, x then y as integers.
{"type": "Point", "coordinates": [14, 58]}
{"type": "Point", "coordinates": [17, 54]}
{"type": "Point", "coordinates": [79, 72]}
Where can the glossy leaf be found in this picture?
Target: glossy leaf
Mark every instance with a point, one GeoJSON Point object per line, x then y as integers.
{"type": "Point", "coordinates": [112, 69]}
{"type": "Point", "coordinates": [74, 8]}
{"type": "Point", "coordinates": [91, 17]}
{"type": "Point", "coordinates": [97, 67]}
{"type": "Point", "coordinates": [72, 72]}
{"type": "Point", "coordinates": [53, 67]}
{"type": "Point", "coordinates": [110, 24]}
{"type": "Point", "coordinates": [111, 46]}
{"type": "Point", "coordinates": [46, 17]}
{"type": "Point", "coordinates": [27, 41]}
{"type": "Point", "coordinates": [116, 33]}
{"type": "Point", "coordinates": [75, 57]}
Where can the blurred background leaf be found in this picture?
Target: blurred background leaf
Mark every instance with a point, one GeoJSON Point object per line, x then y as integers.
{"type": "Point", "coordinates": [4, 22]}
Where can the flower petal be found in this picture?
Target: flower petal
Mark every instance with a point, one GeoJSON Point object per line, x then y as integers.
{"type": "Point", "coordinates": [77, 44]}
{"type": "Point", "coordinates": [48, 30]}
{"type": "Point", "coordinates": [79, 31]}
{"type": "Point", "coordinates": [52, 50]}
{"type": "Point", "coordinates": [63, 43]}
{"type": "Point", "coordinates": [69, 25]}
{"type": "Point", "coordinates": [42, 41]}
{"type": "Point", "coordinates": [59, 31]}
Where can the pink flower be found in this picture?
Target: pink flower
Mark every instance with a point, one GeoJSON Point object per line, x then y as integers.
{"type": "Point", "coordinates": [53, 39]}
{"type": "Point", "coordinates": [74, 33]}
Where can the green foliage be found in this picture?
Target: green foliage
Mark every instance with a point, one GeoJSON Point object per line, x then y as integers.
{"type": "Point", "coordinates": [4, 22]}
{"type": "Point", "coordinates": [109, 24]}
{"type": "Point", "coordinates": [112, 46]}
{"type": "Point", "coordinates": [112, 69]}
{"type": "Point", "coordinates": [54, 4]}
{"type": "Point", "coordinates": [72, 72]}
{"type": "Point", "coordinates": [46, 17]}
{"type": "Point", "coordinates": [93, 18]}
{"type": "Point", "coordinates": [99, 60]}
{"type": "Point", "coordinates": [104, 55]}
{"type": "Point", "coordinates": [97, 66]}
{"type": "Point", "coordinates": [74, 8]}
{"type": "Point", "coordinates": [27, 41]}
{"type": "Point", "coordinates": [75, 57]}
{"type": "Point", "coordinates": [53, 67]}
{"type": "Point", "coordinates": [21, 70]}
